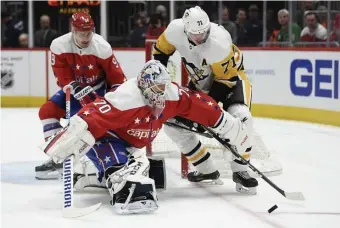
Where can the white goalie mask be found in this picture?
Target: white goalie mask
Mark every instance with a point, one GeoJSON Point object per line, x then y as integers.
{"type": "Point", "coordinates": [196, 25]}
{"type": "Point", "coordinates": [153, 81]}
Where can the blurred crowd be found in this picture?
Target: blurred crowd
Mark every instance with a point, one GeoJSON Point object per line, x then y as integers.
{"type": "Point", "coordinates": [13, 34]}
{"type": "Point", "coordinates": [309, 25]}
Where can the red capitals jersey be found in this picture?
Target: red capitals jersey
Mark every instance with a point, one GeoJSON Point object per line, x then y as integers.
{"type": "Point", "coordinates": [88, 66]}
{"type": "Point", "coordinates": [320, 34]}
{"type": "Point", "coordinates": [125, 112]}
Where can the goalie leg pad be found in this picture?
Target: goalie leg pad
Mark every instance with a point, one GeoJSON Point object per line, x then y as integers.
{"type": "Point", "coordinates": [137, 196]}
{"type": "Point", "coordinates": [74, 139]}
{"type": "Point", "coordinates": [157, 171]}
{"type": "Point", "coordinates": [131, 189]}
{"type": "Point", "coordinates": [86, 175]}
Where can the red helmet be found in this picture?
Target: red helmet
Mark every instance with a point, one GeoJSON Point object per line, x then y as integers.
{"type": "Point", "coordinates": [82, 21]}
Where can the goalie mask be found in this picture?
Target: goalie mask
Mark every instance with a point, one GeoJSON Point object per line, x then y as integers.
{"type": "Point", "coordinates": [196, 25]}
{"type": "Point", "coordinates": [82, 29]}
{"type": "Point", "coordinates": [153, 81]}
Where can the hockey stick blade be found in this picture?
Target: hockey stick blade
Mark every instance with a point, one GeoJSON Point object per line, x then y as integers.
{"type": "Point", "coordinates": [287, 195]}
{"type": "Point", "coordinates": [74, 212]}
{"type": "Point", "coordinates": [294, 196]}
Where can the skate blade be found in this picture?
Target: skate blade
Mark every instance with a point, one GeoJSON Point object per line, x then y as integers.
{"type": "Point", "coordinates": [211, 182]}
{"type": "Point", "coordinates": [245, 190]}
{"type": "Point", "coordinates": [48, 175]}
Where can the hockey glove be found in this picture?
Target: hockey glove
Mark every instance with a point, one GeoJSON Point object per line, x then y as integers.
{"type": "Point", "coordinates": [83, 95]}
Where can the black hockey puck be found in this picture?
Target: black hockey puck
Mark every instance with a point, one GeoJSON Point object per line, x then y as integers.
{"type": "Point", "coordinates": [273, 208]}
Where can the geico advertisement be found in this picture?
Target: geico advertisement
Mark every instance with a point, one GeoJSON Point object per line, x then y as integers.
{"type": "Point", "coordinates": [317, 77]}
{"type": "Point", "coordinates": [307, 79]}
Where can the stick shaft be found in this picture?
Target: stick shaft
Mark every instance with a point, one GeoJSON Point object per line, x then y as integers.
{"type": "Point", "coordinates": [259, 173]}
{"type": "Point", "coordinates": [68, 163]}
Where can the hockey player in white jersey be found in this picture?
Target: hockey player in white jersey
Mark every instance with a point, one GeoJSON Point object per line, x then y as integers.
{"type": "Point", "coordinates": [215, 66]}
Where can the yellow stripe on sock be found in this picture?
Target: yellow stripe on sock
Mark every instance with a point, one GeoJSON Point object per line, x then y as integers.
{"type": "Point", "coordinates": [199, 155]}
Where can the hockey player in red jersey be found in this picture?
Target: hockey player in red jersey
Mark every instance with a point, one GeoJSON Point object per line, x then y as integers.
{"type": "Point", "coordinates": [134, 113]}
{"type": "Point", "coordinates": [82, 57]}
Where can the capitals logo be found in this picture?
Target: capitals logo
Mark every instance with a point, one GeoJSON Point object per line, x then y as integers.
{"type": "Point", "coordinates": [143, 133]}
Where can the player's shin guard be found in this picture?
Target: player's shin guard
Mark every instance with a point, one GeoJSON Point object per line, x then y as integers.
{"type": "Point", "coordinates": [201, 159]}
{"type": "Point", "coordinates": [244, 182]}
{"type": "Point", "coordinates": [197, 155]}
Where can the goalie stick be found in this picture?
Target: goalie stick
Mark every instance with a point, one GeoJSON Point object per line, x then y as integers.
{"type": "Point", "coordinates": [288, 195]}
{"type": "Point", "coordinates": [69, 210]}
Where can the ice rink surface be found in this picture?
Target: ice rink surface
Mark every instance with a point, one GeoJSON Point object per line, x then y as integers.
{"type": "Point", "coordinates": [309, 153]}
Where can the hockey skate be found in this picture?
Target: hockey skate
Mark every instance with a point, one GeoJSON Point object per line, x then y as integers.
{"type": "Point", "coordinates": [245, 183]}
{"type": "Point", "coordinates": [212, 178]}
{"type": "Point", "coordinates": [49, 170]}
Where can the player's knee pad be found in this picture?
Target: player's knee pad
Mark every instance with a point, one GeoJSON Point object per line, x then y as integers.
{"type": "Point", "coordinates": [236, 127]}
{"type": "Point", "coordinates": [242, 112]}
{"type": "Point", "coordinates": [74, 139]}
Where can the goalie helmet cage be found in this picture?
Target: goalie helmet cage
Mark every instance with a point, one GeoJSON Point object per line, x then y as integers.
{"type": "Point", "coordinates": [261, 157]}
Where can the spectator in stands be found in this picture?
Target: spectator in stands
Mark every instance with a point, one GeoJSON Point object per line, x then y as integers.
{"type": "Point", "coordinates": [253, 26]}
{"type": "Point", "coordinates": [163, 14]}
{"type": "Point", "coordinates": [282, 35]}
{"type": "Point", "coordinates": [272, 23]}
{"type": "Point", "coordinates": [241, 17]}
{"type": "Point", "coordinates": [314, 31]}
{"type": "Point", "coordinates": [23, 40]}
{"type": "Point", "coordinates": [10, 31]}
{"type": "Point", "coordinates": [45, 35]}
{"type": "Point", "coordinates": [143, 15]}
{"type": "Point", "coordinates": [138, 34]}
{"type": "Point", "coordinates": [322, 15]}
{"type": "Point", "coordinates": [303, 7]}
{"type": "Point", "coordinates": [229, 25]}
{"type": "Point", "coordinates": [156, 27]}
{"type": "Point", "coordinates": [335, 35]}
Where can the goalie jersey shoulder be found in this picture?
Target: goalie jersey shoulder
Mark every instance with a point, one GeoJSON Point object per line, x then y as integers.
{"type": "Point", "coordinates": [128, 96]}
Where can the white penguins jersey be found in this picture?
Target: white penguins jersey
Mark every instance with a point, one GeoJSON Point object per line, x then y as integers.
{"type": "Point", "coordinates": [217, 59]}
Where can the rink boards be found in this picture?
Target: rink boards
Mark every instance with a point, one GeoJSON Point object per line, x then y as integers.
{"type": "Point", "coordinates": [297, 84]}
